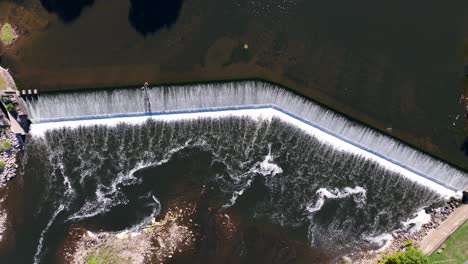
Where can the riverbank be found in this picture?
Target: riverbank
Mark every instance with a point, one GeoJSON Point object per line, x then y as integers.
{"type": "Point", "coordinates": [454, 250]}
{"type": "Point", "coordinates": [175, 234]}
{"type": "Point", "coordinates": [6, 80]}
{"type": "Point", "coordinates": [8, 157]}
{"type": "Point", "coordinates": [437, 237]}
{"type": "Point", "coordinates": [417, 234]}
{"type": "Point", "coordinates": [156, 241]}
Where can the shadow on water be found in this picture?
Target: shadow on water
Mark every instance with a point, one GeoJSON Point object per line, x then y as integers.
{"type": "Point", "coordinates": [67, 10]}
{"type": "Point", "coordinates": [464, 147]}
{"type": "Point", "coordinates": [148, 16]}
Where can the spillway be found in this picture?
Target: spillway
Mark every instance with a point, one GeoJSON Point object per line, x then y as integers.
{"type": "Point", "coordinates": [113, 159]}
{"type": "Point", "coordinates": [203, 98]}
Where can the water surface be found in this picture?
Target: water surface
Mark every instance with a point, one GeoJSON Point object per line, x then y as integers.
{"type": "Point", "coordinates": [395, 65]}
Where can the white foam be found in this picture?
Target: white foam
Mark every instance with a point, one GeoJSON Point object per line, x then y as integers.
{"type": "Point", "coordinates": [136, 229]}
{"type": "Point", "coordinates": [105, 196]}
{"type": "Point", "coordinates": [350, 148]}
{"type": "Point", "coordinates": [265, 168]}
{"type": "Point", "coordinates": [100, 205]}
{"type": "Point", "coordinates": [40, 128]}
{"type": "Point", "coordinates": [414, 224]}
{"type": "Point", "coordinates": [257, 114]}
{"type": "Point", "coordinates": [411, 225]}
{"type": "Point", "coordinates": [383, 241]}
{"type": "Point", "coordinates": [41, 238]}
{"type": "Point", "coordinates": [358, 193]}
{"type": "Point", "coordinates": [236, 95]}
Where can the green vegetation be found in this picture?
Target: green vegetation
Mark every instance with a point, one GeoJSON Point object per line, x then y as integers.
{"type": "Point", "coordinates": [11, 107]}
{"type": "Point", "coordinates": [2, 165]}
{"type": "Point", "coordinates": [410, 255]}
{"type": "Point", "coordinates": [456, 248]}
{"type": "Point", "coordinates": [7, 34]}
{"type": "Point", "coordinates": [5, 145]}
{"type": "Point", "coordinates": [104, 255]}
{"type": "Point", "coordinates": [408, 243]}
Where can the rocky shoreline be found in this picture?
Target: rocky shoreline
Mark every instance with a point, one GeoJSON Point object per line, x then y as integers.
{"type": "Point", "coordinates": [401, 236]}
{"type": "Point", "coordinates": [9, 157]}
{"type": "Point", "coordinates": [157, 241]}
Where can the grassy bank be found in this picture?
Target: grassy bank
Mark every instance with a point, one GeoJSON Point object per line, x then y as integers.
{"type": "Point", "coordinates": [456, 248]}
{"type": "Point", "coordinates": [105, 255]}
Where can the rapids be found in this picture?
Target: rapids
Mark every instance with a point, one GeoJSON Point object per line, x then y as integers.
{"type": "Point", "coordinates": [313, 183]}
{"type": "Point", "coordinates": [118, 177]}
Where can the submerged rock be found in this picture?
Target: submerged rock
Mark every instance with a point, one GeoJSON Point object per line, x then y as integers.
{"type": "Point", "coordinates": [156, 241]}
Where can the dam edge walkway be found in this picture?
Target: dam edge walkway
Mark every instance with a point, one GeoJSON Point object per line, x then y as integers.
{"type": "Point", "coordinates": [438, 236]}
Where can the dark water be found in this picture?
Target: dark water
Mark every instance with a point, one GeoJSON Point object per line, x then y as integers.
{"type": "Point", "coordinates": [68, 11]}
{"type": "Point", "coordinates": [149, 16]}
{"type": "Point", "coordinates": [104, 178]}
{"type": "Point", "coordinates": [393, 65]}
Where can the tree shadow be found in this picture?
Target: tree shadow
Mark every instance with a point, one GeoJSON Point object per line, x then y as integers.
{"type": "Point", "coordinates": [67, 10]}
{"type": "Point", "coordinates": [149, 16]}
{"type": "Point", "coordinates": [464, 146]}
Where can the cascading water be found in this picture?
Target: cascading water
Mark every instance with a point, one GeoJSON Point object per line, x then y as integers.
{"type": "Point", "coordinates": [235, 95]}
{"type": "Point", "coordinates": [290, 164]}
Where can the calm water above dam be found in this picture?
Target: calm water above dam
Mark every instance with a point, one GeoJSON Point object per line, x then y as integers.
{"type": "Point", "coordinates": [395, 65]}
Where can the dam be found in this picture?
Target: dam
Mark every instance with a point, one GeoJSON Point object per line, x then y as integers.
{"type": "Point", "coordinates": [59, 108]}
{"type": "Point", "coordinates": [112, 160]}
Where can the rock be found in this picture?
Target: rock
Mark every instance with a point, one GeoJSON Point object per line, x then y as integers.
{"type": "Point", "coordinates": [439, 251]}
{"type": "Point", "coordinates": [443, 246]}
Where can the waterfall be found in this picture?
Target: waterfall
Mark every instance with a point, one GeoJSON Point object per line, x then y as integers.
{"type": "Point", "coordinates": [248, 146]}
{"type": "Point", "coordinates": [56, 107]}
{"type": "Point", "coordinates": [341, 198]}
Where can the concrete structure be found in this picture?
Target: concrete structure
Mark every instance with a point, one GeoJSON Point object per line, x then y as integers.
{"type": "Point", "coordinates": [12, 92]}
{"type": "Point", "coordinates": [5, 75]}
{"type": "Point", "coordinates": [14, 125]}
{"type": "Point", "coordinates": [438, 236]}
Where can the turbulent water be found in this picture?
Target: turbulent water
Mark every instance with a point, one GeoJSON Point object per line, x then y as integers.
{"type": "Point", "coordinates": [264, 170]}
{"type": "Point", "coordinates": [90, 174]}
{"type": "Point", "coordinates": [65, 106]}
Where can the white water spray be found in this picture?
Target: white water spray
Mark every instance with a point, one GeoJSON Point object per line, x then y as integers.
{"type": "Point", "coordinates": [58, 110]}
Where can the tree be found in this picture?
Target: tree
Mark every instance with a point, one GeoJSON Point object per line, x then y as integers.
{"type": "Point", "coordinates": [11, 107]}
{"type": "Point", "coordinates": [410, 255]}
